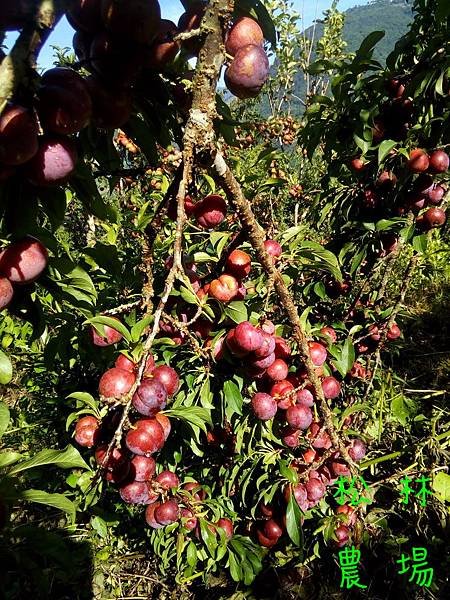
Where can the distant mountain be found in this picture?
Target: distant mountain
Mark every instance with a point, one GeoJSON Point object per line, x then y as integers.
{"type": "Point", "coordinates": [390, 16]}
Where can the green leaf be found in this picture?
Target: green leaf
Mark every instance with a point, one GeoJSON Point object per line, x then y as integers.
{"type": "Point", "coordinates": [86, 399]}
{"type": "Point", "coordinates": [420, 242]}
{"type": "Point", "coordinates": [4, 418]}
{"type": "Point", "coordinates": [384, 148]}
{"type": "Point", "coordinates": [138, 328]}
{"type": "Point", "coordinates": [232, 398]}
{"type": "Point", "coordinates": [194, 415]}
{"type": "Point", "coordinates": [5, 369]}
{"type": "Point", "coordinates": [85, 187]}
{"type": "Point", "coordinates": [293, 521]}
{"type": "Point", "coordinates": [441, 485]}
{"type": "Point", "coordinates": [236, 311]}
{"type": "Point", "coordinates": [140, 132]}
{"type": "Point", "coordinates": [69, 458]}
{"type": "Point", "coordinates": [113, 323]}
{"type": "Point", "coordinates": [56, 500]}
{"type": "Point", "coordinates": [319, 258]}
{"type": "Point", "coordinates": [366, 49]}
{"type": "Point", "coordinates": [235, 567]}
{"type": "Point", "coordinates": [9, 458]}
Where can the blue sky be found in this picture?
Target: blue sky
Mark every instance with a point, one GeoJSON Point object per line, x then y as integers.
{"type": "Point", "coordinates": [171, 9]}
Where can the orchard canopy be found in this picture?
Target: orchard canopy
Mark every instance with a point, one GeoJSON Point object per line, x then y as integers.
{"type": "Point", "coordinates": [224, 301]}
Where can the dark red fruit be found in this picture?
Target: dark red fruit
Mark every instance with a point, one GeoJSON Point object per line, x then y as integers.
{"type": "Point", "coordinates": [278, 370]}
{"type": "Point", "coordinates": [227, 526]}
{"type": "Point", "coordinates": [117, 64]}
{"type": "Point", "coordinates": [150, 397]}
{"type": "Point", "coordinates": [136, 21]}
{"type": "Point", "coordinates": [319, 439]}
{"type": "Point", "coordinates": [342, 534]}
{"type": "Point", "coordinates": [146, 437]}
{"type": "Point", "coordinates": [243, 32]}
{"type": "Point", "coordinates": [164, 49]}
{"type": "Point", "coordinates": [239, 264]}
{"type": "Point", "coordinates": [122, 362]}
{"type": "Point", "coordinates": [189, 520]}
{"type": "Point", "coordinates": [112, 336]}
{"type": "Point", "coordinates": [357, 450]}
{"type": "Point", "coordinates": [225, 288]}
{"type": "Point", "coordinates": [280, 391]}
{"type": "Point", "coordinates": [331, 387]}
{"type": "Point", "coordinates": [167, 377]}
{"type": "Point", "coordinates": [6, 292]}
{"type": "Point", "coordinates": [315, 489]}
{"type": "Point", "coordinates": [136, 492]}
{"type": "Point", "coordinates": [386, 181]}
{"type": "Point", "coordinates": [264, 540]}
{"type": "Point", "coordinates": [142, 468]}
{"type": "Point", "coordinates": [299, 416]}
{"type": "Point", "coordinates": [24, 261]}
{"type": "Point", "coordinates": [273, 249]}
{"type": "Point", "coordinates": [115, 383]}
{"type": "Point", "coordinates": [194, 488]}
{"type": "Point", "coordinates": [439, 161]}
{"type": "Point", "coordinates": [165, 424]}
{"type": "Point", "coordinates": [18, 135]}
{"type": "Point", "coordinates": [305, 397]}
{"type": "Point", "coordinates": [263, 363]}
{"type": "Point", "coordinates": [167, 512]}
{"type": "Point", "coordinates": [300, 495]}
{"type": "Point", "coordinates": [433, 217]}
{"type": "Point", "coordinates": [357, 165]}
{"type": "Point", "coordinates": [282, 348]}
{"type": "Point", "coordinates": [318, 353]}
{"type": "Point", "coordinates": [54, 162]}
{"type": "Point", "coordinates": [167, 480]}
{"type": "Point", "coordinates": [247, 337]}
{"type": "Point", "coordinates": [188, 21]}
{"type": "Point", "coordinates": [264, 406]}
{"type": "Point", "coordinates": [150, 515]}
{"type": "Point", "coordinates": [435, 194]}
{"type": "Point", "coordinates": [267, 347]}
{"type": "Point", "coordinates": [248, 72]}
{"type": "Point", "coordinates": [349, 512]}
{"type": "Point", "coordinates": [272, 530]}
{"type": "Point", "coordinates": [210, 211]}
{"type": "Point", "coordinates": [117, 466]}
{"type": "Point", "coordinates": [64, 102]}
{"type": "Point", "coordinates": [111, 108]}
{"type": "Point", "coordinates": [393, 333]}
{"type": "Point", "coordinates": [418, 161]}
{"type": "Point", "coordinates": [290, 437]}
{"type": "Point", "coordinates": [85, 15]}
{"type": "Point", "coordinates": [330, 333]}
{"type": "Point", "coordinates": [87, 431]}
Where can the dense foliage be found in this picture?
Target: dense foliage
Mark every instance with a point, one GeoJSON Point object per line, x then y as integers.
{"type": "Point", "coordinates": [210, 321]}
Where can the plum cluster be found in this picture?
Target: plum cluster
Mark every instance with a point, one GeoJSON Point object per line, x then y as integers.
{"type": "Point", "coordinates": [272, 517]}
{"type": "Point", "coordinates": [132, 467]}
{"type": "Point", "coordinates": [419, 185]}
{"type": "Point", "coordinates": [21, 263]}
{"type": "Point", "coordinates": [249, 68]}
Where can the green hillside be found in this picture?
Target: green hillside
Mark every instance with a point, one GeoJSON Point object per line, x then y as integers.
{"type": "Point", "coordinates": [391, 16]}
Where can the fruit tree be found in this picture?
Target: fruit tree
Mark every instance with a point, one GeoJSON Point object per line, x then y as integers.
{"type": "Point", "coordinates": [208, 310]}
